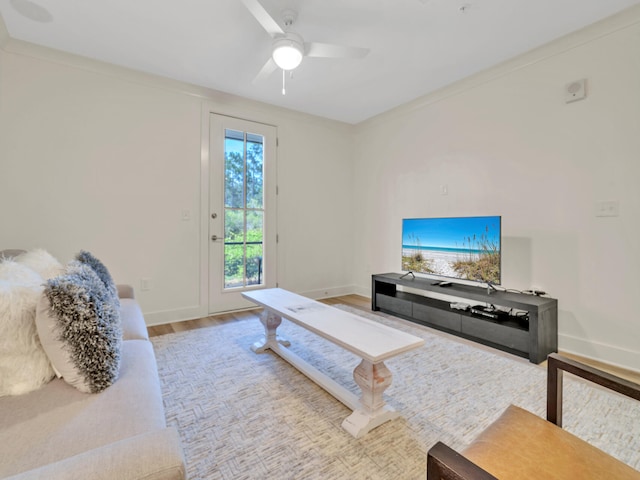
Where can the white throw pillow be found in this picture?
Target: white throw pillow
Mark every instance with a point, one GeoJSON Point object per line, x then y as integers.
{"type": "Point", "coordinates": [24, 365]}
{"type": "Point", "coordinates": [45, 264]}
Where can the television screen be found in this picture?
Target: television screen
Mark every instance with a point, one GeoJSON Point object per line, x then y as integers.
{"type": "Point", "coordinates": [466, 248]}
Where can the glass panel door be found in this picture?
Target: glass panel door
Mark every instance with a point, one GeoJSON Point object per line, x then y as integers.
{"type": "Point", "coordinates": [244, 175]}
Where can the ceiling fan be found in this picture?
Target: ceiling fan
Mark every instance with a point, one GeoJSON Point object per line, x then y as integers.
{"type": "Point", "coordinates": [289, 48]}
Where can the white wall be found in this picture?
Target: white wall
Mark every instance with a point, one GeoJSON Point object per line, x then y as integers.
{"type": "Point", "coordinates": [101, 158]}
{"type": "Point", "coordinates": [97, 157]}
{"type": "Point", "coordinates": [506, 143]}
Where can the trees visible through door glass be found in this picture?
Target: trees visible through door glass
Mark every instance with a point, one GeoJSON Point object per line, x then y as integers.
{"type": "Point", "coordinates": [244, 209]}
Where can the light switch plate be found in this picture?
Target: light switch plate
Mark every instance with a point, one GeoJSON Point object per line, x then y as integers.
{"type": "Point", "coordinates": [609, 208]}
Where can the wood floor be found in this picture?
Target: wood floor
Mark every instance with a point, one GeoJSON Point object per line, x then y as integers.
{"type": "Point", "coordinates": [356, 301]}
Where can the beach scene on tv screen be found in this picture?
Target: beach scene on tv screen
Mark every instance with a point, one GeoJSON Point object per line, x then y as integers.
{"type": "Point", "coordinates": [465, 247]}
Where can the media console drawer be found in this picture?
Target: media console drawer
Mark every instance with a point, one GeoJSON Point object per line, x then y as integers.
{"type": "Point", "coordinates": [494, 332]}
{"type": "Point", "coordinates": [398, 305]}
{"type": "Point", "coordinates": [435, 316]}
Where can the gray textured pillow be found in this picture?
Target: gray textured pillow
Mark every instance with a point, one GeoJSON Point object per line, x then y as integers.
{"type": "Point", "coordinates": [88, 259]}
{"type": "Point", "coordinates": [80, 329]}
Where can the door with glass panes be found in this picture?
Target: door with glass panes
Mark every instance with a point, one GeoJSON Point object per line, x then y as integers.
{"type": "Point", "coordinates": [242, 217]}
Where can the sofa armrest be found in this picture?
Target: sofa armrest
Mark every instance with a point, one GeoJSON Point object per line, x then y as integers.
{"type": "Point", "coordinates": [125, 291]}
{"type": "Point", "coordinates": [155, 455]}
{"type": "Point", "coordinates": [11, 253]}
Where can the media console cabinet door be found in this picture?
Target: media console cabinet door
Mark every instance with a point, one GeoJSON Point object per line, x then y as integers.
{"type": "Point", "coordinates": [510, 337]}
{"type": "Point", "coordinates": [436, 316]}
{"type": "Point", "coordinates": [402, 307]}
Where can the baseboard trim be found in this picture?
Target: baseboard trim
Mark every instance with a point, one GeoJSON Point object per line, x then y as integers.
{"type": "Point", "coordinates": [153, 319]}
{"type": "Point", "coordinates": [329, 292]}
{"type": "Point", "coordinates": [163, 317]}
{"type": "Point", "coordinates": [600, 352]}
{"type": "Point", "coordinates": [362, 291]}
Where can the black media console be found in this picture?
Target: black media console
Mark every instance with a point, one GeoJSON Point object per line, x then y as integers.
{"type": "Point", "coordinates": [533, 334]}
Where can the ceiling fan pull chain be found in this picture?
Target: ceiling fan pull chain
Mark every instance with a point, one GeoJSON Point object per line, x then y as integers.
{"type": "Point", "coordinates": [284, 92]}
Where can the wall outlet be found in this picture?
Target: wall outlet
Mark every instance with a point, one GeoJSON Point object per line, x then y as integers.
{"type": "Point", "coordinates": [146, 284]}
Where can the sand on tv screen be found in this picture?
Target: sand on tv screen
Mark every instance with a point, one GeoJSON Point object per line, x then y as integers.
{"type": "Point", "coordinates": [466, 248]}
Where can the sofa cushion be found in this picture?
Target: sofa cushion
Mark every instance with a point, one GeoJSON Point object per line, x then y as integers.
{"type": "Point", "coordinates": [58, 421]}
{"type": "Point", "coordinates": [24, 365]}
{"type": "Point", "coordinates": [156, 455]}
{"type": "Point", "coordinates": [80, 329]}
{"type": "Point", "coordinates": [102, 272]}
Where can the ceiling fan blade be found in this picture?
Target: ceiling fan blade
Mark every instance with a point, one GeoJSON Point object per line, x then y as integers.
{"type": "Point", "coordinates": [315, 49]}
{"type": "Point", "coordinates": [266, 70]}
{"type": "Point", "coordinates": [263, 17]}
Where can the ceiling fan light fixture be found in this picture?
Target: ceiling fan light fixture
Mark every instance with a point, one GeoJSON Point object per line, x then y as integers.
{"type": "Point", "coordinates": [287, 52]}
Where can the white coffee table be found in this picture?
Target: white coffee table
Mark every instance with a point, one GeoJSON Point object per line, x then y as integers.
{"type": "Point", "coordinates": [373, 342]}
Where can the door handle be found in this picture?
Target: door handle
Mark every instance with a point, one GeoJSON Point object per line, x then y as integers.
{"type": "Point", "coordinates": [214, 238]}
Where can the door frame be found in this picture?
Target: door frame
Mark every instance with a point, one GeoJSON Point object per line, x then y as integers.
{"type": "Point", "coordinates": [208, 108]}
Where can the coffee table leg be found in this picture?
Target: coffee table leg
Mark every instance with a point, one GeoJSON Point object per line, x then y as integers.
{"type": "Point", "coordinates": [373, 379]}
{"type": "Point", "coordinates": [271, 322]}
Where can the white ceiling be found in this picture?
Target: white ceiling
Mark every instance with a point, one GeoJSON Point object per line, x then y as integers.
{"type": "Point", "coordinates": [417, 46]}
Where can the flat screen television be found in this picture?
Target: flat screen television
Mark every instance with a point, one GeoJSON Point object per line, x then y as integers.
{"type": "Point", "coordinates": [465, 248]}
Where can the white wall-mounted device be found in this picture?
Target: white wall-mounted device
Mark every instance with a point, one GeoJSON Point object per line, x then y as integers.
{"type": "Point", "coordinates": [575, 91]}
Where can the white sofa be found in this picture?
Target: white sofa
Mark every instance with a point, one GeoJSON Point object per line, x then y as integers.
{"type": "Point", "coordinates": [58, 432]}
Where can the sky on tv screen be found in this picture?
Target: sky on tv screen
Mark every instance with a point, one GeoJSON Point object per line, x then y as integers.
{"type": "Point", "coordinates": [454, 234]}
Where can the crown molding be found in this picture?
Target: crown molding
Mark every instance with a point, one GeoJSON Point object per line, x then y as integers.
{"type": "Point", "coordinates": [220, 100]}
{"type": "Point", "coordinates": [627, 18]}
{"type": "Point", "coordinates": [4, 33]}
{"type": "Point", "coordinates": [78, 62]}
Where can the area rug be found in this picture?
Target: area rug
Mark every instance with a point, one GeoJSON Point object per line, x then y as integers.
{"type": "Point", "coordinates": [247, 416]}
